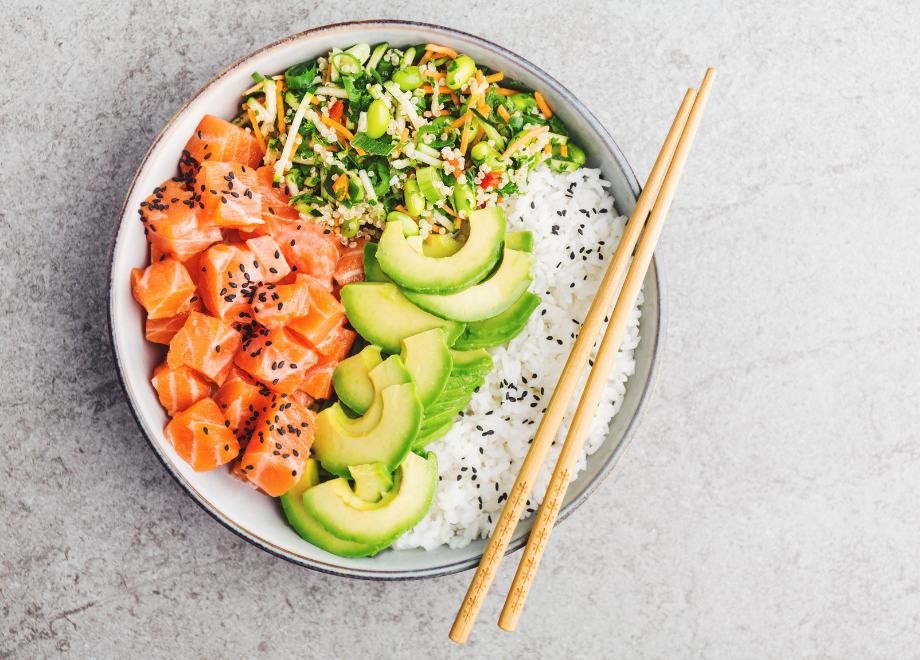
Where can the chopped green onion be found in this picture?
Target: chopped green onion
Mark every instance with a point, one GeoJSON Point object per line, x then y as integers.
{"type": "Point", "coordinates": [371, 146]}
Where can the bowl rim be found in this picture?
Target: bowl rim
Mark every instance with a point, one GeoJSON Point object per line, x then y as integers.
{"type": "Point", "coordinates": [645, 397]}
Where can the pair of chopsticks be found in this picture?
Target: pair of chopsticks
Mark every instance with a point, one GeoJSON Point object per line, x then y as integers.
{"type": "Point", "coordinates": [668, 168]}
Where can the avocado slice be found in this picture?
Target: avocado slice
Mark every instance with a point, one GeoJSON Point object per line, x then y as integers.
{"type": "Point", "coordinates": [446, 414]}
{"type": "Point", "coordinates": [337, 508]}
{"type": "Point", "coordinates": [519, 240]}
{"type": "Point", "coordinates": [386, 374]}
{"type": "Point", "coordinates": [351, 379]}
{"type": "Point", "coordinates": [425, 438]}
{"type": "Point", "coordinates": [442, 245]}
{"type": "Point", "coordinates": [500, 328]}
{"type": "Point", "coordinates": [471, 363]}
{"type": "Point", "coordinates": [427, 358]}
{"type": "Point", "coordinates": [308, 527]}
{"type": "Point", "coordinates": [459, 384]}
{"type": "Point", "coordinates": [372, 481]}
{"type": "Point", "coordinates": [486, 299]}
{"type": "Point", "coordinates": [384, 316]}
{"type": "Point", "coordinates": [336, 447]}
{"type": "Point", "coordinates": [372, 270]}
{"type": "Point", "coordinates": [445, 275]}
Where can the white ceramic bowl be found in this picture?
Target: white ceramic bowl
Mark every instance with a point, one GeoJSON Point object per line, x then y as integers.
{"type": "Point", "coordinates": [257, 518]}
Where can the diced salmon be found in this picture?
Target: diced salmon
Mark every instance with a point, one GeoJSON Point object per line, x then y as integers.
{"type": "Point", "coordinates": [274, 357]}
{"type": "Point", "coordinates": [205, 344]}
{"type": "Point", "coordinates": [201, 438]}
{"type": "Point", "coordinates": [307, 248]}
{"type": "Point", "coordinates": [174, 222]}
{"type": "Point", "coordinates": [216, 140]}
{"type": "Point", "coordinates": [161, 331]}
{"type": "Point", "coordinates": [228, 282]}
{"type": "Point", "coordinates": [268, 253]}
{"type": "Point", "coordinates": [179, 388]}
{"type": "Point", "coordinates": [326, 313]}
{"type": "Point", "coordinates": [156, 253]}
{"type": "Point", "coordinates": [350, 266]}
{"type": "Point", "coordinates": [279, 448]}
{"type": "Point", "coordinates": [164, 288]}
{"type": "Point", "coordinates": [276, 304]}
{"type": "Point", "coordinates": [230, 194]}
{"type": "Point", "coordinates": [317, 382]}
{"type": "Point", "coordinates": [275, 201]}
{"type": "Point", "coordinates": [242, 400]}
{"type": "Point", "coordinates": [302, 398]}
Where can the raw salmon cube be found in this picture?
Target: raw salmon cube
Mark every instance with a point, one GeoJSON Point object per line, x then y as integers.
{"type": "Point", "coordinates": [179, 388]}
{"type": "Point", "coordinates": [317, 382]}
{"type": "Point", "coordinates": [276, 304]}
{"type": "Point", "coordinates": [228, 282]}
{"type": "Point", "coordinates": [274, 357]}
{"type": "Point", "coordinates": [205, 344]}
{"type": "Point", "coordinates": [270, 258]}
{"type": "Point", "coordinates": [216, 140]}
{"type": "Point", "coordinates": [307, 248]}
{"type": "Point", "coordinates": [326, 313]}
{"type": "Point", "coordinates": [275, 201]}
{"type": "Point", "coordinates": [230, 195]}
{"type": "Point", "coordinates": [350, 266]}
{"type": "Point", "coordinates": [174, 222]}
{"type": "Point", "coordinates": [241, 400]}
{"type": "Point", "coordinates": [164, 288]}
{"type": "Point", "coordinates": [201, 438]}
{"type": "Point", "coordinates": [280, 446]}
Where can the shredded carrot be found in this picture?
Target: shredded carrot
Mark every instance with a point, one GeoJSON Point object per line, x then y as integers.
{"type": "Point", "coordinates": [504, 92]}
{"type": "Point", "coordinates": [338, 127]}
{"type": "Point", "coordinates": [430, 237]}
{"type": "Point", "coordinates": [255, 88]}
{"type": "Point", "coordinates": [453, 94]}
{"type": "Point", "coordinates": [466, 132]}
{"type": "Point", "coordinates": [341, 182]}
{"type": "Point", "coordinates": [444, 50]}
{"type": "Point", "coordinates": [331, 147]}
{"type": "Point", "coordinates": [499, 200]}
{"type": "Point", "coordinates": [450, 211]}
{"type": "Point", "coordinates": [479, 77]}
{"type": "Point", "coordinates": [524, 139]}
{"type": "Point", "coordinates": [543, 107]}
{"type": "Point", "coordinates": [255, 128]}
{"type": "Point", "coordinates": [314, 100]}
{"type": "Point", "coordinates": [495, 77]}
{"type": "Point", "coordinates": [504, 113]}
{"type": "Point", "coordinates": [404, 136]}
{"type": "Point", "coordinates": [426, 89]}
{"type": "Point", "coordinates": [564, 150]}
{"type": "Point", "coordinates": [459, 122]}
{"type": "Point", "coordinates": [483, 109]}
{"type": "Point", "coordinates": [425, 58]}
{"type": "Point", "coordinates": [328, 71]}
{"type": "Point", "coordinates": [548, 150]}
{"type": "Point", "coordinates": [280, 102]}
{"type": "Point", "coordinates": [437, 75]}
{"type": "Point", "coordinates": [402, 209]}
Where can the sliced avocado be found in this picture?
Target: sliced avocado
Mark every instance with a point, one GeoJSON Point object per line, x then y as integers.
{"type": "Point", "coordinates": [384, 316]}
{"type": "Point", "coordinates": [388, 442]}
{"type": "Point", "coordinates": [309, 528]}
{"type": "Point", "coordinates": [521, 241]}
{"type": "Point", "coordinates": [425, 438]}
{"type": "Point", "coordinates": [372, 481]}
{"type": "Point", "coordinates": [456, 401]}
{"type": "Point", "coordinates": [351, 379]}
{"type": "Point", "coordinates": [444, 275]}
{"type": "Point", "coordinates": [500, 328]}
{"type": "Point", "coordinates": [372, 270]}
{"type": "Point", "coordinates": [441, 245]}
{"type": "Point", "coordinates": [336, 506]}
{"type": "Point", "coordinates": [442, 416]}
{"type": "Point", "coordinates": [386, 374]}
{"type": "Point", "coordinates": [458, 384]}
{"type": "Point", "coordinates": [471, 363]}
{"type": "Point", "coordinates": [427, 358]}
{"type": "Point", "coordinates": [486, 299]}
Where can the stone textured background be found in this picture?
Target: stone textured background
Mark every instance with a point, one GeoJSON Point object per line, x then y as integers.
{"type": "Point", "coordinates": [768, 506]}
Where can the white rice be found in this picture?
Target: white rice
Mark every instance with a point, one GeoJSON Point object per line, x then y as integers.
{"type": "Point", "coordinates": [479, 458]}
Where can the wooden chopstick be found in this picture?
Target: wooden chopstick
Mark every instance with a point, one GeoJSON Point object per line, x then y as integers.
{"type": "Point", "coordinates": [559, 401]}
{"type": "Point", "coordinates": [597, 380]}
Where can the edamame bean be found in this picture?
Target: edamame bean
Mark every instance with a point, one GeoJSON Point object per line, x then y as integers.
{"type": "Point", "coordinates": [459, 71]}
{"type": "Point", "coordinates": [481, 151]}
{"type": "Point", "coordinates": [378, 119]}
{"type": "Point", "coordinates": [349, 227]}
{"type": "Point", "coordinates": [523, 102]}
{"type": "Point", "coordinates": [408, 224]}
{"type": "Point", "coordinates": [573, 151]}
{"type": "Point", "coordinates": [464, 199]}
{"type": "Point", "coordinates": [412, 195]}
{"type": "Point", "coordinates": [409, 78]}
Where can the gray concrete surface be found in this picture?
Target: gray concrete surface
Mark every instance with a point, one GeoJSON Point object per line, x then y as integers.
{"type": "Point", "coordinates": [768, 507]}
